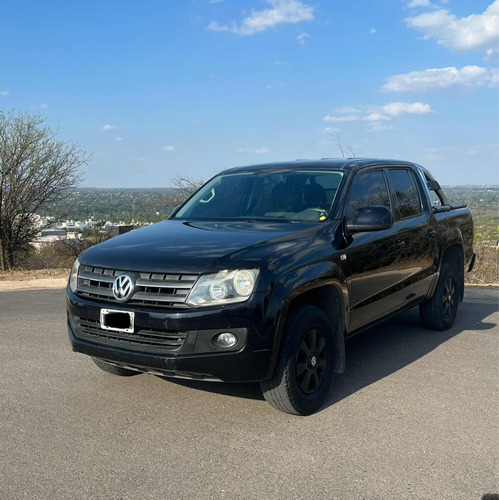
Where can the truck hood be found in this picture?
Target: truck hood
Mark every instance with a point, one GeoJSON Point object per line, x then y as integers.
{"type": "Point", "coordinates": [197, 247]}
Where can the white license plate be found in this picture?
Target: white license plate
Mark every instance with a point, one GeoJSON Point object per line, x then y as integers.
{"type": "Point", "coordinates": [117, 321]}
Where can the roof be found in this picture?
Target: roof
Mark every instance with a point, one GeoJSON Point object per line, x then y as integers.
{"type": "Point", "coordinates": [342, 164]}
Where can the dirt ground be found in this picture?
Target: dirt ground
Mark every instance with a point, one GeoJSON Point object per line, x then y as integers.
{"type": "Point", "coordinates": [33, 280]}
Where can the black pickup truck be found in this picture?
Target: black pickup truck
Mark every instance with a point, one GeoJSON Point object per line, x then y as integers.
{"type": "Point", "coordinates": [265, 271]}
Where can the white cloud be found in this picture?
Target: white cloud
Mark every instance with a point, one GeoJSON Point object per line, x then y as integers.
{"type": "Point", "coordinates": [4, 92]}
{"type": "Point", "coordinates": [331, 130]}
{"type": "Point", "coordinates": [468, 77]}
{"type": "Point", "coordinates": [262, 151]}
{"type": "Point", "coordinates": [409, 108]}
{"type": "Point", "coordinates": [302, 37]}
{"type": "Point", "coordinates": [268, 87]}
{"type": "Point", "coordinates": [109, 127]}
{"type": "Point", "coordinates": [167, 148]}
{"type": "Point", "coordinates": [492, 55]}
{"type": "Point", "coordinates": [281, 12]}
{"type": "Point", "coordinates": [419, 3]}
{"type": "Point", "coordinates": [372, 31]}
{"type": "Point", "coordinates": [380, 127]}
{"type": "Point", "coordinates": [341, 119]}
{"type": "Point", "coordinates": [118, 139]}
{"type": "Point", "coordinates": [466, 34]}
{"type": "Point", "coordinates": [44, 106]}
{"type": "Point", "coordinates": [376, 116]}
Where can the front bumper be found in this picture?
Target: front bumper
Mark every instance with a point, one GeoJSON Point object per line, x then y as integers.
{"type": "Point", "coordinates": [196, 358]}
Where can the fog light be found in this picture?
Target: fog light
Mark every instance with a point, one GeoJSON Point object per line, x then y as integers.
{"type": "Point", "coordinates": [224, 340]}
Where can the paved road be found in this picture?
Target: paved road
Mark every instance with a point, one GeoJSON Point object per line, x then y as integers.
{"type": "Point", "coordinates": [414, 416]}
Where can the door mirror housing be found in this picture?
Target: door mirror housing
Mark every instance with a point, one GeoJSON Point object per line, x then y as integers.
{"type": "Point", "coordinates": [371, 218]}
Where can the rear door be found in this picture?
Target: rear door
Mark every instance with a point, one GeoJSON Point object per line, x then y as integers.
{"type": "Point", "coordinates": [415, 230]}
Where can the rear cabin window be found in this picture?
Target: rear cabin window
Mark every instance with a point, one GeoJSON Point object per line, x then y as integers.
{"type": "Point", "coordinates": [403, 186]}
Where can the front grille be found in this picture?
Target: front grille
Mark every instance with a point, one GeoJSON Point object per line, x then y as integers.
{"type": "Point", "coordinates": [157, 290]}
{"type": "Point", "coordinates": [143, 340]}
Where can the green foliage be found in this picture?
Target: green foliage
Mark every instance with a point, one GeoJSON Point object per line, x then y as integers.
{"type": "Point", "coordinates": [115, 205]}
{"type": "Point", "coordinates": [484, 204]}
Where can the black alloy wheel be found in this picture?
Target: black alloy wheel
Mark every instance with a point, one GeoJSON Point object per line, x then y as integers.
{"type": "Point", "coordinates": [439, 311]}
{"type": "Point", "coordinates": [306, 364]}
{"type": "Point", "coordinates": [311, 361]}
{"type": "Point", "coordinates": [449, 299]}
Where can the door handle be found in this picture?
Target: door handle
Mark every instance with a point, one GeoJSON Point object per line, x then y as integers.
{"type": "Point", "coordinates": [399, 244]}
{"type": "Point", "coordinates": [430, 233]}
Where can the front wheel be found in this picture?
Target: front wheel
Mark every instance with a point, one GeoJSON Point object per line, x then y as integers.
{"type": "Point", "coordinates": [439, 312]}
{"type": "Point", "coordinates": [306, 363]}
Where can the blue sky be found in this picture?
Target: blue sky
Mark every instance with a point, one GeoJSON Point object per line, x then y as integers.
{"type": "Point", "coordinates": [158, 88]}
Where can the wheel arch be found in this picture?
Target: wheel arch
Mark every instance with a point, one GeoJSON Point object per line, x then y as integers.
{"type": "Point", "coordinates": [321, 285]}
{"type": "Point", "coordinates": [454, 256]}
{"type": "Point", "coordinates": [329, 298]}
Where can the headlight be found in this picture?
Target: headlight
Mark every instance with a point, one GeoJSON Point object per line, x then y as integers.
{"type": "Point", "coordinates": [224, 287]}
{"type": "Point", "coordinates": [73, 277]}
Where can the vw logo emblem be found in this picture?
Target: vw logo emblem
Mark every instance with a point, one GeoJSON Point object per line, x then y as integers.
{"type": "Point", "coordinates": [123, 287]}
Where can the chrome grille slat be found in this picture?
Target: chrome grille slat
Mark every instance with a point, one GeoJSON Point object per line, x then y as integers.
{"type": "Point", "coordinates": [155, 290]}
{"type": "Point", "coordinates": [106, 292]}
{"type": "Point", "coordinates": [164, 284]}
{"type": "Point", "coordinates": [143, 296]}
{"type": "Point", "coordinates": [102, 277]}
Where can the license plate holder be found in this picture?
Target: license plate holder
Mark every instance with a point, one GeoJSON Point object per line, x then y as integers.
{"type": "Point", "coordinates": [117, 321]}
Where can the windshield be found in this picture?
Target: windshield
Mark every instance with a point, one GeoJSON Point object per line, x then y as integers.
{"type": "Point", "coordinates": [284, 195]}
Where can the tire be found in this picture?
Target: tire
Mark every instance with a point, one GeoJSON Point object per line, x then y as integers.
{"type": "Point", "coordinates": [305, 368]}
{"type": "Point", "coordinates": [113, 369]}
{"type": "Point", "coordinates": [439, 312]}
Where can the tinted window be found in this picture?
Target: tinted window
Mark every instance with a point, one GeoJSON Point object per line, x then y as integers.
{"type": "Point", "coordinates": [368, 189]}
{"type": "Point", "coordinates": [404, 188]}
{"type": "Point", "coordinates": [267, 194]}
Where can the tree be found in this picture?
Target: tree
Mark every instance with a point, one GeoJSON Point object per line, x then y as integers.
{"type": "Point", "coordinates": [90, 237]}
{"type": "Point", "coordinates": [349, 153]}
{"type": "Point", "coordinates": [35, 169]}
{"type": "Point", "coordinates": [184, 187]}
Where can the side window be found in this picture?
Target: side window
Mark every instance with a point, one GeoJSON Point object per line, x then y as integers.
{"type": "Point", "coordinates": [403, 186]}
{"type": "Point", "coordinates": [369, 189]}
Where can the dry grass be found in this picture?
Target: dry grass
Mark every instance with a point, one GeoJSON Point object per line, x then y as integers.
{"type": "Point", "coordinates": [486, 270]}
{"type": "Point", "coordinates": [21, 275]}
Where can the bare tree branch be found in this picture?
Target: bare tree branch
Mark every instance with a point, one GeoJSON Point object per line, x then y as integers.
{"type": "Point", "coordinates": [351, 152]}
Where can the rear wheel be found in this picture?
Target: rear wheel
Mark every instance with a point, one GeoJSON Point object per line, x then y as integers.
{"type": "Point", "coordinates": [113, 369]}
{"type": "Point", "coordinates": [306, 363]}
{"type": "Point", "coordinates": [439, 312]}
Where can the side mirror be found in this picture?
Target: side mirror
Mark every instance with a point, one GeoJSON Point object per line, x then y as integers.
{"type": "Point", "coordinates": [371, 218]}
